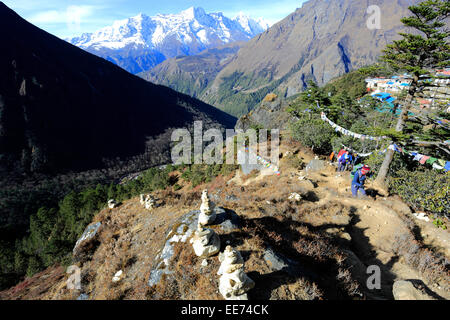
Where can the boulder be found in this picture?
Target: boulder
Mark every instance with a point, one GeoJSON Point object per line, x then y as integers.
{"type": "Point", "coordinates": [275, 261]}
{"type": "Point", "coordinates": [315, 165]}
{"type": "Point", "coordinates": [295, 197]}
{"type": "Point", "coordinates": [421, 216]}
{"type": "Point", "coordinates": [149, 202]}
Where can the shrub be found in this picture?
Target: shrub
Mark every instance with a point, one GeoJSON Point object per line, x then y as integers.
{"type": "Point", "coordinates": [423, 190]}
{"type": "Point", "coordinates": [313, 133]}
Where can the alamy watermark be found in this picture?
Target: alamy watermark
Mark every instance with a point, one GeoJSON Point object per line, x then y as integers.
{"type": "Point", "coordinates": [374, 280]}
{"type": "Point", "coordinates": [374, 21]}
{"type": "Point", "coordinates": [239, 147]}
{"type": "Point", "coordinates": [74, 281]}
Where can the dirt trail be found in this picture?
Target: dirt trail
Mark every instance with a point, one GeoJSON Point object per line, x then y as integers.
{"type": "Point", "coordinates": [376, 224]}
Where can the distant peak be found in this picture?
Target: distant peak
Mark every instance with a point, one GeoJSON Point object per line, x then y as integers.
{"type": "Point", "coordinates": [140, 16]}
{"type": "Point", "coordinates": [248, 22]}
{"type": "Point", "coordinates": [241, 14]}
{"type": "Point", "coordinates": [193, 12]}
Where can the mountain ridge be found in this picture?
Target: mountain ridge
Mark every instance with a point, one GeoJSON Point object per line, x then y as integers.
{"type": "Point", "coordinates": [192, 74]}
{"type": "Point", "coordinates": [59, 103]}
{"type": "Point", "coordinates": [141, 42]}
{"type": "Point", "coordinates": [316, 42]}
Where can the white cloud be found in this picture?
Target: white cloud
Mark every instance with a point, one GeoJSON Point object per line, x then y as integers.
{"type": "Point", "coordinates": [270, 13]}
{"type": "Point", "coordinates": [51, 16]}
{"type": "Point", "coordinates": [73, 16]}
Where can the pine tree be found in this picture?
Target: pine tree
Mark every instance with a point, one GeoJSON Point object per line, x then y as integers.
{"type": "Point", "coordinates": [418, 53]}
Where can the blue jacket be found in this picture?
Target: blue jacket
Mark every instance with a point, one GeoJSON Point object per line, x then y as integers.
{"type": "Point", "coordinates": [343, 160]}
{"type": "Point", "coordinates": [359, 179]}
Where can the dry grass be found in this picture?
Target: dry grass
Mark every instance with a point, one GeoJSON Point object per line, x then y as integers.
{"type": "Point", "coordinates": [271, 97]}
{"type": "Point", "coordinates": [132, 237]}
{"type": "Point", "coordinates": [434, 267]}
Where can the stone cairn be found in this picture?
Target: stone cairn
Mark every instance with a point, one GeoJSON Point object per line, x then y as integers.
{"type": "Point", "coordinates": [118, 276]}
{"type": "Point", "coordinates": [207, 214]}
{"type": "Point", "coordinates": [206, 242]}
{"type": "Point", "coordinates": [295, 197]}
{"type": "Point", "coordinates": [148, 201]}
{"type": "Point", "coordinates": [112, 204]}
{"type": "Point", "coordinates": [234, 282]}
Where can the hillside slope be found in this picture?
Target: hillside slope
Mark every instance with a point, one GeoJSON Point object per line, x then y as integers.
{"type": "Point", "coordinates": [62, 108]}
{"type": "Point", "coordinates": [317, 248]}
{"type": "Point", "coordinates": [193, 74]}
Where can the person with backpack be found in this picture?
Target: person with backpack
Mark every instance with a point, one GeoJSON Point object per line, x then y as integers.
{"type": "Point", "coordinates": [343, 161]}
{"type": "Point", "coordinates": [359, 179]}
{"type": "Point", "coordinates": [349, 163]}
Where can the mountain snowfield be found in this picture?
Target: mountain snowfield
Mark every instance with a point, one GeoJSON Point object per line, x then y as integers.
{"type": "Point", "coordinates": [139, 43]}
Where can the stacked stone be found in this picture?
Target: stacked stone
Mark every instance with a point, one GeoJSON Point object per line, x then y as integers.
{"type": "Point", "coordinates": [206, 242]}
{"type": "Point", "coordinates": [234, 282]}
{"type": "Point", "coordinates": [147, 201]}
{"type": "Point", "coordinates": [142, 199]}
{"type": "Point", "coordinates": [207, 214]}
{"type": "Point", "coordinates": [112, 204]}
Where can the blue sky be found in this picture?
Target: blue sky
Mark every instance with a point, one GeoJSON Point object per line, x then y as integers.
{"type": "Point", "coordinates": [67, 18]}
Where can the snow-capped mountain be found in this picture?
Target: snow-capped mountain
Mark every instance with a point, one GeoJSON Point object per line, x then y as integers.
{"type": "Point", "coordinates": [139, 43]}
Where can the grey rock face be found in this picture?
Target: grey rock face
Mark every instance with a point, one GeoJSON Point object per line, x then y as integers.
{"type": "Point", "coordinates": [267, 114]}
{"type": "Point", "coordinates": [86, 243]}
{"type": "Point", "coordinates": [181, 231]}
{"type": "Point", "coordinates": [315, 165]}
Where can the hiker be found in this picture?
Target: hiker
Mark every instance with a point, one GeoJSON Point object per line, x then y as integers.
{"type": "Point", "coordinates": [349, 163]}
{"type": "Point", "coordinates": [343, 161]}
{"type": "Point", "coordinates": [341, 152]}
{"type": "Point", "coordinates": [359, 179]}
{"type": "Point", "coordinates": [354, 161]}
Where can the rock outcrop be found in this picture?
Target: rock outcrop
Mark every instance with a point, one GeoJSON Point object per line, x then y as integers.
{"type": "Point", "coordinates": [234, 282]}
{"type": "Point", "coordinates": [87, 242]}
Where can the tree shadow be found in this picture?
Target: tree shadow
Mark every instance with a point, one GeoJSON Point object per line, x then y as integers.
{"type": "Point", "coordinates": [421, 286]}
{"type": "Point", "coordinates": [319, 266]}
{"type": "Point", "coordinates": [362, 248]}
{"type": "Point", "coordinates": [373, 193]}
{"type": "Point", "coordinates": [280, 236]}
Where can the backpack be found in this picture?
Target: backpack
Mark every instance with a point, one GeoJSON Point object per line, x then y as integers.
{"type": "Point", "coordinates": [355, 169]}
